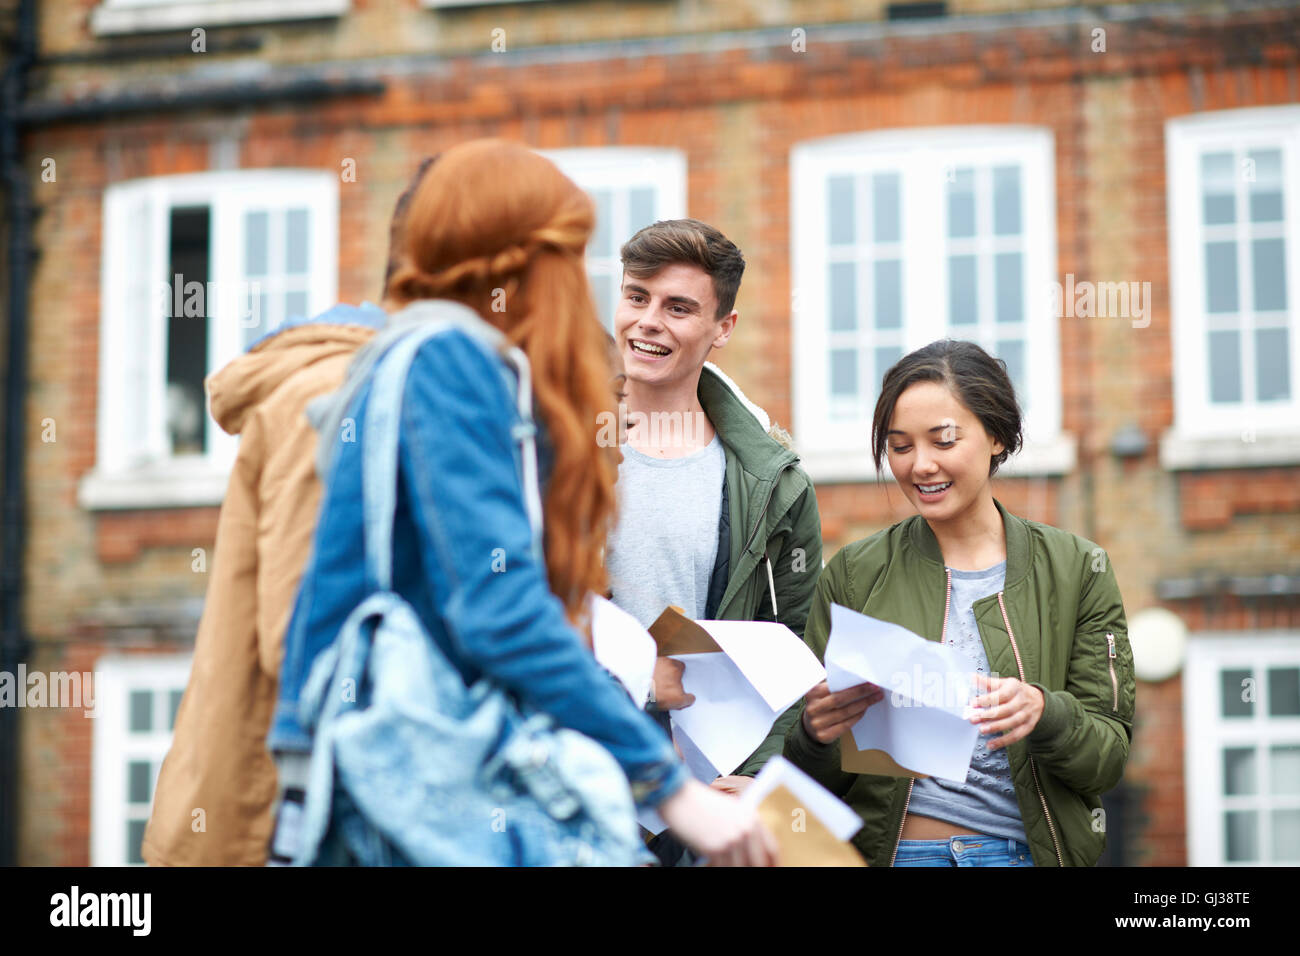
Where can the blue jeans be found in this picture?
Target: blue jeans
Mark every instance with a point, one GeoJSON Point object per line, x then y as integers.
{"type": "Point", "coordinates": [978, 850]}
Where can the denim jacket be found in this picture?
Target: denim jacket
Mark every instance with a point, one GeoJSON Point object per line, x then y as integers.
{"type": "Point", "coordinates": [463, 558]}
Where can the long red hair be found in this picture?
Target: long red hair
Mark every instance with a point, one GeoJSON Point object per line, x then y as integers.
{"type": "Point", "coordinates": [499, 228]}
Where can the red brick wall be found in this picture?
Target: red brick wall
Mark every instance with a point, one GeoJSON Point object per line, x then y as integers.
{"type": "Point", "coordinates": [736, 114]}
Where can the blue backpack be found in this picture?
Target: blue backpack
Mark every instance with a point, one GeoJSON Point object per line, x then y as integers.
{"type": "Point", "coordinates": [409, 765]}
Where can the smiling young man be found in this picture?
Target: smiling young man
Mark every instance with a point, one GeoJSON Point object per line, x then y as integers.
{"type": "Point", "coordinates": [715, 515]}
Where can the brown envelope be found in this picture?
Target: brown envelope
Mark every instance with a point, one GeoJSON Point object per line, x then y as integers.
{"type": "Point", "coordinates": [810, 845]}
{"type": "Point", "coordinates": [675, 633]}
{"type": "Point", "coordinates": [853, 760]}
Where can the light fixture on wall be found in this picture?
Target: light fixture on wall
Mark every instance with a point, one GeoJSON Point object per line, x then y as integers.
{"type": "Point", "coordinates": [1159, 641]}
{"type": "Point", "coordinates": [1128, 442]}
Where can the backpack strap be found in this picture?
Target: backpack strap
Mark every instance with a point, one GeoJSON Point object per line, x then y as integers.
{"type": "Point", "coordinates": [411, 328]}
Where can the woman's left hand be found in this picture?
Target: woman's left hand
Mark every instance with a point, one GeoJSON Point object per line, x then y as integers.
{"type": "Point", "coordinates": [1010, 708]}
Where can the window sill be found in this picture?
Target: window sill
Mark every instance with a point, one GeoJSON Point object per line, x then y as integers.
{"type": "Point", "coordinates": [169, 485]}
{"type": "Point", "coordinates": [1056, 456]}
{"type": "Point", "coordinates": [1204, 452]}
{"type": "Point", "coordinates": [109, 18]}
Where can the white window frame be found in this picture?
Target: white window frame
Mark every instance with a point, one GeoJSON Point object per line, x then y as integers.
{"type": "Point", "coordinates": [840, 450]}
{"type": "Point", "coordinates": [1205, 435]}
{"type": "Point", "coordinates": [622, 168]}
{"type": "Point", "coordinates": [139, 16]}
{"type": "Point", "coordinates": [1206, 732]}
{"type": "Point", "coordinates": [133, 467]}
{"type": "Point", "coordinates": [114, 745]}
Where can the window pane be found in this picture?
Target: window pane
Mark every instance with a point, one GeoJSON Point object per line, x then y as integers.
{"type": "Point", "coordinates": [1225, 366]}
{"type": "Point", "coordinates": [640, 209]}
{"type": "Point", "coordinates": [961, 204]}
{"type": "Point", "coordinates": [1266, 190]}
{"type": "Point", "coordinates": [962, 304]}
{"type": "Point", "coordinates": [1238, 696]}
{"type": "Point", "coordinates": [187, 329]}
{"type": "Point", "coordinates": [296, 239]}
{"type": "Point", "coordinates": [141, 712]}
{"type": "Point", "coordinates": [1012, 351]}
{"type": "Point", "coordinates": [1284, 769]}
{"type": "Point", "coordinates": [1286, 836]}
{"type": "Point", "coordinates": [1006, 200]}
{"type": "Point", "coordinates": [1269, 258]}
{"type": "Point", "coordinates": [295, 305]}
{"type": "Point", "coordinates": [839, 209]}
{"type": "Point", "coordinates": [600, 244]}
{"type": "Point", "coordinates": [1241, 836]}
{"type": "Point", "coordinates": [884, 199]}
{"type": "Point", "coordinates": [1217, 186]}
{"type": "Point", "coordinates": [1272, 367]}
{"type": "Point", "coordinates": [134, 837]}
{"type": "Point", "coordinates": [256, 225]}
{"type": "Point", "coordinates": [844, 372]}
{"type": "Point", "coordinates": [886, 356]}
{"type": "Point", "coordinates": [255, 313]}
{"type": "Point", "coordinates": [844, 297]}
{"type": "Point", "coordinates": [601, 292]}
{"type": "Point", "coordinates": [1284, 691]}
{"type": "Point", "coordinates": [137, 781]}
{"type": "Point", "coordinates": [174, 703]}
{"type": "Point", "coordinates": [1238, 771]}
{"type": "Point", "coordinates": [1221, 276]}
{"type": "Point", "coordinates": [1007, 282]}
{"type": "Point", "coordinates": [889, 294]}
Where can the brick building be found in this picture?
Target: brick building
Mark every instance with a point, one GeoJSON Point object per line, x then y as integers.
{"type": "Point", "coordinates": [894, 173]}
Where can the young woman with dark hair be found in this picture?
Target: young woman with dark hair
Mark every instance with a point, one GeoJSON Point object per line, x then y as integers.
{"type": "Point", "coordinates": [1013, 597]}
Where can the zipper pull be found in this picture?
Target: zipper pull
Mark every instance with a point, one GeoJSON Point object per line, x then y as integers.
{"type": "Point", "coordinates": [1110, 644]}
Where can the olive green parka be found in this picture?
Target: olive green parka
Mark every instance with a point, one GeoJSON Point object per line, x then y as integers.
{"type": "Point", "coordinates": [1058, 623]}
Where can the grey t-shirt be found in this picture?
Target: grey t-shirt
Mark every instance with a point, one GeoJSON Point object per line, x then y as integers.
{"type": "Point", "coordinates": [666, 541]}
{"type": "Point", "coordinates": [986, 802]}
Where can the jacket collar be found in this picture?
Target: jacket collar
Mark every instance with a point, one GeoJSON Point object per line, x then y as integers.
{"type": "Point", "coordinates": [741, 425]}
{"type": "Point", "coordinates": [1017, 535]}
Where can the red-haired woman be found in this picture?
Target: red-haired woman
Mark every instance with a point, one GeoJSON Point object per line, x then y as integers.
{"type": "Point", "coordinates": [497, 228]}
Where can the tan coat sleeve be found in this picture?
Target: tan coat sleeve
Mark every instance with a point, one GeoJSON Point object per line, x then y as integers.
{"type": "Point", "coordinates": [212, 802]}
{"type": "Point", "coordinates": [219, 762]}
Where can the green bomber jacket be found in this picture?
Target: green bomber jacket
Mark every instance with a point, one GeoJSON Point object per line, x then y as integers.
{"type": "Point", "coordinates": [1058, 624]}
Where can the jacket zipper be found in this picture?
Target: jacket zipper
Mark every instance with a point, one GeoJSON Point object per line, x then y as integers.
{"type": "Point", "coordinates": [943, 634]}
{"type": "Point", "coordinates": [1110, 650]}
{"type": "Point", "coordinates": [1033, 769]}
{"type": "Point", "coordinates": [759, 524]}
{"type": "Point", "coordinates": [766, 504]}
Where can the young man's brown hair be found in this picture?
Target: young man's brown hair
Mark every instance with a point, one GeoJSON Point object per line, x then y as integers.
{"type": "Point", "coordinates": [692, 242]}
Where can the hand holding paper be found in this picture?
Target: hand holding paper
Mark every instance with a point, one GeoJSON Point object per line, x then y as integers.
{"type": "Point", "coordinates": [828, 715]}
{"type": "Point", "coordinates": [743, 675]}
{"type": "Point", "coordinates": [924, 729]}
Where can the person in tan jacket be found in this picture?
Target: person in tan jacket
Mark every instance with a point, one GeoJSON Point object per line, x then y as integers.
{"type": "Point", "coordinates": [213, 802]}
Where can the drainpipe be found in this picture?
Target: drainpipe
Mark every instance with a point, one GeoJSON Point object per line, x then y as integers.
{"type": "Point", "coordinates": [14, 645]}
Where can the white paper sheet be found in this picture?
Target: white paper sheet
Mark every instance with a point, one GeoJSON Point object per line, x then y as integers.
{"type": "Point", "coordinates": [764, 668]}
{"type": "Point", "coordinates": [781, 667]}
{"type": "Point", "coordinates": [623, 647]}
{"type": "Point", "coordinates": [834, 814]}
{"type": "Point", "coordinates": [696, 763]}
{"type": "Point", "coordinates": [923, 722]}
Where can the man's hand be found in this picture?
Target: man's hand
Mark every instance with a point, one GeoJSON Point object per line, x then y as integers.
{"type": "Point", "coordinates": [669, 694]}
{"type": "Point", "coordinates": [826, 716]}
{"type": "Point", "coordinates": [733, 785]}
{"type": "Point", "coordinates": [1011, 708]}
